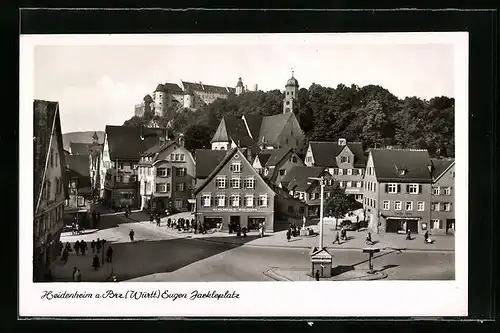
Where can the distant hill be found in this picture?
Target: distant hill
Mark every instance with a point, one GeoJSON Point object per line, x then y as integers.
{"type": "Point", "coordinates": [82, 137]}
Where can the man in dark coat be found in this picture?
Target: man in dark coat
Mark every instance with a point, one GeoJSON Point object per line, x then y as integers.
{"type": "Point", "coordinates": [316, 275]}
{"type": "Point", "coordinates": [95, 263]}
{"type": "Point", "coordinates": [92, 246]}
{"type": "Point", "coordinates": [288, 235]}
{"type": "Point", "coordinates": [98, 245]}
{"type": "Point", "coordinates": [83, 247]}
{"type": "Point", "coordinates": [109, 254]}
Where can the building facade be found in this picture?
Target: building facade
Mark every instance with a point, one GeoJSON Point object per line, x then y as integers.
{"type": "Point", "coordinates": [397, 191]}
{"type": "Point", "coordinates": [235, 195]}
{"type": "Point", "coordinates": [50, 186]}
{"type": "Point", "coordinates": [166, 175]}
{"type": "Point", "coordinates": [443, 197]}
{"type": "Point", "coordinates": [274, 164]}
{"type": "Point", "coordinates": [345, 161]}
{"type": "Point", "coordinates": [95, 165]}
{"type": "Point", "coordinates": [122, 150]}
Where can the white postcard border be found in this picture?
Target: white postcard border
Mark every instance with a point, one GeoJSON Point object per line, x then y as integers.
{"type": "Point", "coordinates": [374, 298]}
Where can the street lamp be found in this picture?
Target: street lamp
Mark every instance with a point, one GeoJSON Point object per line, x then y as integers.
{"type": "Point", "coordinates": [322, 184]}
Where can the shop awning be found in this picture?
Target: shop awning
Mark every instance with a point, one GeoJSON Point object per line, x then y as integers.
{"type": "Point", "coordinates": [402, 218]}
{"type": "Point", "coordinates": [192, 201]}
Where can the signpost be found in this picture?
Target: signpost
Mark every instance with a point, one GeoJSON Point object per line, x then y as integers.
{"type": "Point", "coordinates": [370, 251]}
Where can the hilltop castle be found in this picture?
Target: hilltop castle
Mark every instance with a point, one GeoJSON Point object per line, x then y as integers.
{"type": "Point", "coordinates": [189, 95]}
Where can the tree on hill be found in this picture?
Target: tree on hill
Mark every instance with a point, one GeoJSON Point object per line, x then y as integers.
{"type": "Point", "coordinates": [198, 137]}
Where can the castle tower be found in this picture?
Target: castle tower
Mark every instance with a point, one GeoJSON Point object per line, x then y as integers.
{"type": "Point", "coordinates": [159, 96]}
{"type": "Point", "coordinates": [95, 138]}
{"type": "Point", "coordinates": [291, 95]}
{"type": "Point", "coordinates": [239, 87]}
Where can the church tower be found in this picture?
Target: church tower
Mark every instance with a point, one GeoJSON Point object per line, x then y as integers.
{"type": "Point", "coordinates": [239, 87]}
{"type": "Point", "coordinates": [291, 95]}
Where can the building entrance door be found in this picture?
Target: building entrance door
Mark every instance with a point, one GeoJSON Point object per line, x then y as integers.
{"type": "Point", "coordinates": [254, 223]}
{"type": "Point", "coordinates": [234, 223]}
{"type": "Point", "coordinates": [412, 225]}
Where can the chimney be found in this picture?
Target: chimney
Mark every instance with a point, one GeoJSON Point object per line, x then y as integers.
{"type": "Point", "coordinates": [342, 142]}
{"type": "Point", "coordinates": [181, 140]}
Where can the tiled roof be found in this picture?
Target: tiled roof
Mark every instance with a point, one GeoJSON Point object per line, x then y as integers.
{"type": "Point", "coordinates": [440, 166]}
{"type": "Point", "coordinates": [192, 87]}
{"type": "Point", "coordinates": [271, 128]}
{"type": "Point", "coordinates": [125, 143]}
{"type": "Point", "coordinates": [233, 128]}
{"type": "Point", "coordinates": [387, 162]}
{"type": "Point", "coordinates": [254, 123]}
{"type": "Point", "coordinates": [172, 88]}
{"type": "Point", "coordinates": [298, 177]}
{"type": "Point", "coordinates": [79, 148]}
{"type": "Point", "coordinates": [325, 153]}
{"type": "Point", "coordinates": [207, 160]}
{"type": "Point", "coordinates": [79, 164]}
{"type": "Point", "coordinates": [272, 156]}
{"type": "Point", "coordinates": [226, 158]}
{"type": "Point", "coordinates": [45, 115]}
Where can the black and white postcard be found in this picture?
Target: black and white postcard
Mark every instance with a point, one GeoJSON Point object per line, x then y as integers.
{"type": "Point", "coordinates": [244, 175]}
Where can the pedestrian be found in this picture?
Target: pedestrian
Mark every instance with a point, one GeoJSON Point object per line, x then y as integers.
{"type": "Point", "coordinates": [408, 235]}
{"type": "Point", "coordinates": [98, 245]}
{"type": "Point", "coordinates": [151, 218]}
{"type": "Point", "coordinates": [369, 239]}
{"type": "Point", "coordinates": [158, 220]}
{"type": "Point", "coordinates": [83, 247]}
{"type": "Point", "coordinates": [426, 236]}
{"type": "Point", "coordinates": [98, 218]}
{"type": "Point", "coordinates": [316, 275]}
{"type": "Point", "coordinates": [169, 222]}
{"type": "Point", "coordinates": [68, 247]}
{"type": "Point", "coordinates": [337, 238]}
{"type": "Point", "coordinates": [74, 274]}
{"type": "Point", "coordinates": [64, 256]}
{"type": "Point", "coordinates": [92, 246]}
{"type": "Point", "coordinates": [95, 263]}
{"type": "Point", "coordinates": [288, 235]}
{"type": "Point", "coordinates": [78, 275]}
{"type": "Point", "coordinates": [109, 254]}
{"type": "Point", "coordinates": [131, 235]}
{"type": "Point", "coordinates": [76, 247]}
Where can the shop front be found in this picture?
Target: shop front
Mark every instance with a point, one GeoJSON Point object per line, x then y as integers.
{"type": "Point", "coordinates": [234, 218]}
{"type": "Point", "coordinates": [402, 225]}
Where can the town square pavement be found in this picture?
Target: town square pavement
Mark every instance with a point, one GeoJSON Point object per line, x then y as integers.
{"type": "Point", "coordinates": [163, 254]}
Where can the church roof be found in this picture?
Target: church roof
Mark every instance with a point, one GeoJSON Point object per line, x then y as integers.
{"type": "Point", "coordinates": [292, 82]}
{"type": "Point", "coordinates": [253, 121]}
{"type": "Point", "coordinates": [271, 157]}
{"type": "Point", "coordinates": [271, 127]}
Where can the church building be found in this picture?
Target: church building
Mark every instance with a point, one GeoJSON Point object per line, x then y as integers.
{"type": "Point", "coordinates": [263, 132]}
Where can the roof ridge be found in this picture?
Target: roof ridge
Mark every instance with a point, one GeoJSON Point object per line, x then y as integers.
{"type": "Point", "coordinates": [398, 149]}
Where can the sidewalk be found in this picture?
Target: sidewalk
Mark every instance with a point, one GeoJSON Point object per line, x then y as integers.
{"type": "Point", "coordinates": [356, 239]}
{"type": "Point", "coordinates": [279, 274]}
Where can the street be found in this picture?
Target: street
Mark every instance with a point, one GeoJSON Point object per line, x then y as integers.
{"type": "Point", "coordinates": [156, 255]}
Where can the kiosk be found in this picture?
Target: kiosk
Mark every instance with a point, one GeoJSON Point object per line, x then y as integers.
{"type": "Point", "coordinates": [321, 260]}
{"type": "Point", "coordinates": [370, 251]}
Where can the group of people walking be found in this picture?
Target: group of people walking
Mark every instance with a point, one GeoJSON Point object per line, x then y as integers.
{"type": "Point", "coordinates": [293, 231]}
{"type": "Point", "coordinates": [80, 247]}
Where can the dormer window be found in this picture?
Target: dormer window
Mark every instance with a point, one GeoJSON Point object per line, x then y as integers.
{"type": "Point", "coordinates": [342, 142]}
{"type": "Point", "coordinates": [402, 172]}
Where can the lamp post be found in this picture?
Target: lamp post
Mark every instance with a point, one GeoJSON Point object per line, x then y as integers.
{"type": "Point", "coordinates": [322, 184]}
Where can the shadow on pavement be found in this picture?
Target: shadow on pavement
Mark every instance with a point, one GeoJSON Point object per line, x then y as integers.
{"type": "Point", "coordinates": [230, 240]}
{"type": "Point", "coordinates": [341, 269]}
{"type": "Point", "coordinates": [140, 258]}
{"type": "Point", "coordinates": [385, 267]}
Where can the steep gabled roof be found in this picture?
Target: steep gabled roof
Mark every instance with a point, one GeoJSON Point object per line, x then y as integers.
{"type": "Point", "coordinates": [440, 166]}
{"type": "Point", "coordinates": [79, 148]}
{"type": "Point", "coordinates": [46, 117]}
{"type": "Point", "coordinates": [207, 160]}
{"type": "Point", "coordinates": [325, 153]}
{"type": "Point", "coordinates": [253, 123]}
{"type": "Point", "coordinates": [128, 143]}
{"type": "Point", "coordinates": [233, 129]}
{"type": "Point", "coordinates": [388, 162]}
{"type": "Point", "coordinates": [271, 128]}
{"type": "Point", "coordinates": [229, 155]}
{"type": "Point", "coordinates": [271, 157]}
{"type": "Point", "coordinates": [298, 177]}
{"type": "Point", "coordinates": [78, 164]}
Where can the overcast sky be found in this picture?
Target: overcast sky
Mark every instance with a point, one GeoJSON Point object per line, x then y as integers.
{"type": "Point", "coordinates": [99, 85]}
